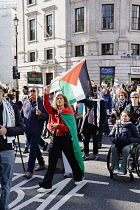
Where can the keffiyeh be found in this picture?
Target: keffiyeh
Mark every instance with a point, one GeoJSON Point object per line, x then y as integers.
{"type": "Point", "coordinates": [8, 118]}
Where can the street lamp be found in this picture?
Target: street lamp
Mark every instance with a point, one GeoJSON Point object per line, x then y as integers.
{"type": "Point", "coordinates": [16, 57]}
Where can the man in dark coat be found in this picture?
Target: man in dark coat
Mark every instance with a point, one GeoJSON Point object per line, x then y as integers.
{"type": "Point", "coordinates": [92, 125]}
{"type": "Point", "coordinates": [11, 125]}
{"type": "Point", "coordinates": [34, 115]}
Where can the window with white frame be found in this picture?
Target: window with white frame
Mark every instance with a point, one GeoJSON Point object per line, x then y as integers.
{"type": "Point", "coordinates": [49, 25]}
{"type": "Point", "coordinates": [31, 29]}
{"type": "Point", "coordinates": [32, 56]}
{"type": "Point", "coordinates": [108, 16]}
{"type": "Point", "coordinates": [79, 50]}
{"type": "Point", "coordinates": [49, 54]}
{"type": "Point", "coordinates": [135, 49]}
{"type": "Point", "coordinates": [135, 17]}
{"type": "Point", "coordinates": [79, 19]}
{"type": "Point", "coordinates": [107, 49]}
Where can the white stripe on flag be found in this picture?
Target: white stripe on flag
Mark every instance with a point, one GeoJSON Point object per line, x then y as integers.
{"type": "Point", "coordinates": [78, 91]}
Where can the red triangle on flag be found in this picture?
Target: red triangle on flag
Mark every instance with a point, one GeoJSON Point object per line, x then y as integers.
{"type": "Point", "coordinates": [72, 75]}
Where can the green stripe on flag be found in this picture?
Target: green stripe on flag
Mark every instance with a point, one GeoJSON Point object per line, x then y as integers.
{"type": "Point", "coordinates": [71, 123]}
{"type": "Point", "coordinates": [67, 91]}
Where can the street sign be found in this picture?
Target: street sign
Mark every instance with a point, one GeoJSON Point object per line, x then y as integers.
{"type": "Point", "coordinates": [35, 79]}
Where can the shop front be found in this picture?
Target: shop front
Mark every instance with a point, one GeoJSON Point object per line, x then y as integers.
{"type": "Point", "coordinates": [107, 76]}
{"type": "Point", "coordinates": [135, 76]}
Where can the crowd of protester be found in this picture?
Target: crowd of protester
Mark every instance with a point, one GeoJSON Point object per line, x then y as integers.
{"type": "Point", "coordinates": [47, 115]}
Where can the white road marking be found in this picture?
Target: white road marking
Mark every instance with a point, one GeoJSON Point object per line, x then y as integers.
{"type": "Point", "coordinates": [56, 189]}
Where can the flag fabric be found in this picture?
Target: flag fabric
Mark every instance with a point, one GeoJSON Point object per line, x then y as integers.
{"type": "Point", "coordinates": [75, 84]}
{"type": "Point", "coordinates": [69, 119]}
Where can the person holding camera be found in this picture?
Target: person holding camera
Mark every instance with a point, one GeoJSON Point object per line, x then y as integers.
{"type": "Point", "coordinates": [123, 134]}
{"type": "Point", "coordinates": [11, 125]}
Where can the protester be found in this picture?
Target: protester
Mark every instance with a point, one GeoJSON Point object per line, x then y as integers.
{"type": "Point", "coordinates": [92, 124]}
{"type": "Point", "coordinates": [123, 135]}
{"type": "Point", "coordinates": [34, 115]}
{"type": "Point", "coordinates": [62, 126]}
{"type": "Point", "coordinates": [25, 94]}
{"type": "Point", "coordinates": [11, 125]}
{"type": "Point", "coordinates": [134, 109]}
{"type": "Point", "coordinates": [119, 104]}
{"type": "Point", "coordinates": [108, 105]}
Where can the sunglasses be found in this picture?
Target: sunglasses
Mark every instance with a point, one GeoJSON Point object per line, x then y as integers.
{"type": "Point", "coordinates": [32, 91]}
{"type": "Point", "coordinates": [134, 97]}
{"type": "Point", "coordinates": [94, 90]}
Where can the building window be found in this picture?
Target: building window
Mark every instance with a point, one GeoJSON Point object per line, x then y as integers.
{"type": "Point", "coordinates": [32, 57]}
{"type": "Point", "coordinates": [49, 54]}
{"type": "Point", "coordinates": [135, 17]}
{"type": "Point", "coordinates": [49, 25]}
{"type": "Point", "coordinates": [107, 49]}
{"type": "Point", "coordinates": [135, 49]}
{"type": "Point", "coordinates": [79, 50]}
{"type": "Point", "coordinates": [31, 2]}
{"type": "Point", "coordinates": [107, 16]}
{"type": "Point", "coordinates": [32, 29]}
{"type": "Point", "coordinates": [79, 19]}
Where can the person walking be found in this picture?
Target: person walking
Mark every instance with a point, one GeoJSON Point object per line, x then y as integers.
{"type": "Point", "coordinates": [62, 126]}
{"type": "Point", "coordinates": [34, 114]}
{"type": "Point", "coordinates": [92, 125]}
{"type": "Point", "coordinates": [11, 125]}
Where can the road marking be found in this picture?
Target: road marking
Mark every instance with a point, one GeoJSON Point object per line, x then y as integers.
{"type": "Point", "coordinates": [56, 189]}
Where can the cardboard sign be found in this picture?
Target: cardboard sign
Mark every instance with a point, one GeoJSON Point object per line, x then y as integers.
{"type": "Point", "coordinates": [35, 79]}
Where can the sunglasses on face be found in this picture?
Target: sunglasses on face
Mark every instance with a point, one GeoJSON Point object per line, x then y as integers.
{"type": "Point", "coordinates": [134, 97]}
{"type": "Point", "coordinates": [94, 90]}
{"type": "Point", "coordinates": [32, 91]}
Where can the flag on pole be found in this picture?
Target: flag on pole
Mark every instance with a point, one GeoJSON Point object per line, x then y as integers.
{"type": "Point", "coordinates": [75, 84]}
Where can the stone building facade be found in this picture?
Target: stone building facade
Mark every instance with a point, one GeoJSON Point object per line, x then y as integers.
{"type": "Point", "coordinates": [54, 35]}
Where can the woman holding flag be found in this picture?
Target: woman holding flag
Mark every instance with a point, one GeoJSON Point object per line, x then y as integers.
{"type": "Point", "coordinates": [62, 126]}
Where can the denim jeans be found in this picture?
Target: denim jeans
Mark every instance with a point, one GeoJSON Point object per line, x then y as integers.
{"type": "Point", "coordinates": [106, 126]}
{"type": "Point", "coordinates": [34, 152]}
{"type": "Point", "coordinates": [7, 159]}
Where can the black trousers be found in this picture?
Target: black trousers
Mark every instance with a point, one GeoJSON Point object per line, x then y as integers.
{"type": "Point", "coordinates": [90, 130]}
{"type": "Point", "coordinates": [57, 145]}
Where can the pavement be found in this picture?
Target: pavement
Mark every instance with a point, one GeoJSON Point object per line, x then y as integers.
{"type": "Point", "coordinates": [97, 192]}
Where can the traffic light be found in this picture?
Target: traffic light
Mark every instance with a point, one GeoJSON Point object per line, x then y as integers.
{"type": "Point", "coordinates": [16, 74]}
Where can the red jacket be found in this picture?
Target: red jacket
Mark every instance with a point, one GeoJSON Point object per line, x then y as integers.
{"type": "Point", "coordinates": [55, 118]}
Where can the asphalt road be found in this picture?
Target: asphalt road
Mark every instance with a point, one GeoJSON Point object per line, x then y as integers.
{"type": "Point", "coordinates": [98, 191]}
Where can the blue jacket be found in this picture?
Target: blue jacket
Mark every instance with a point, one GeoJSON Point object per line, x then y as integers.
{"type": "Point", "coordinates": [124, 132]}
{"type": "Point", "coordinates": [33, 123]}
{"type": "Point", "coordinates": [108, 101]}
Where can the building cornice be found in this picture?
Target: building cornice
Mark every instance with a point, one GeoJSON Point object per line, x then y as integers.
{"type": "Point", "coordinates": [76, 1]}
{"type": "Point", "coordinates": [31, 13]}
{"type": "Point", "coordinates": [49, 8]}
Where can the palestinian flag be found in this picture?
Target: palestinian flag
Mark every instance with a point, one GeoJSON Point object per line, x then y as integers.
{"type": "Point", "coordinates": [69, 119]}
{"type": "Point", "coordinates": [75, 84]}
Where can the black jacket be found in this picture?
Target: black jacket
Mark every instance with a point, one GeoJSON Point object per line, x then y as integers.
{"type": "Point", "coordinates": [88, 105]}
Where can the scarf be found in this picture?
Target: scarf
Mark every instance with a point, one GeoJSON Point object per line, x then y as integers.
{"type": "Point", "coordinates": [121, 103]}
{"type": "Point", "coordinates": [98, 108]}
{"type": "Point", "coordinates": [8, 118]}
{"type": "Point", "coordinates": [68, 117]}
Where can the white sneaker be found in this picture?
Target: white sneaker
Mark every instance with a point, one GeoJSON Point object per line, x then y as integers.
{"type": "Point", "coordinates": [43, 190]}
{"type": "Point", "coordinates": [79, 182]}
{"type": "Point", "coordinates": [116, 171]}
{"type": "Point", "coordinates": [121, 173]}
